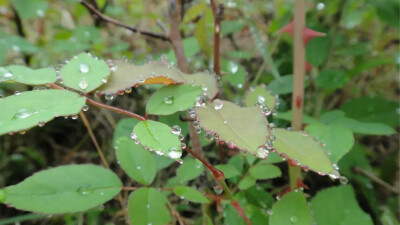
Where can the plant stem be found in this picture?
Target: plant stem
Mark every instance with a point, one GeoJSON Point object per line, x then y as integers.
{"type": "Point", "coordinates": [115, 109]}
{"type": "Point", "coordinates": [298, 82]}
{"type": "Point", "coordinates": [218, 12]}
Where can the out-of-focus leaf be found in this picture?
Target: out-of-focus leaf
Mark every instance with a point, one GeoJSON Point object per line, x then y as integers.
{"type": "Point", "coordinates": [30, 9]}
{"type": "Point", "coordinates": [284, 85]}
{"type": "Point", "coordinates": [194, 12]}
{"type": "Point", "coordinates": [64, 189]}
{"type": "Point", "coordinates": [338, 204]}
{"type": "Point", "coordinates": [202, 37]}
{"type": "Point", "coordinates": [331, 79]}
{"type": "Point", "coordinates": [228, 170]}
{"type": "Point", "coordinates": [317, 50]}
{"type": "Point", "coordinates": [190, 194]}
{"type": "Point", "coordinates": [262, 171]}
{"type": "Point", "coordinates": [288, 116]}
{"type": "Point", "coordinates": [25, 75]}
{"type": "Point", "coordinates": [260, 94]}
{"type": "Point", "coordinates": [190, 169]}
{"type": "Point", "coordinates": [247, 182]}
{"type": "Point", "coordinates": [87, 33]}
{"type": "Point", "coordinates": [236, 74]}
{"type": "Point", "coordinates": [231, 26]}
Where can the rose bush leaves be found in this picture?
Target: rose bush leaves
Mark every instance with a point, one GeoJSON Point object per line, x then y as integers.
{"type": "Point", "coordinates": [25, 75]}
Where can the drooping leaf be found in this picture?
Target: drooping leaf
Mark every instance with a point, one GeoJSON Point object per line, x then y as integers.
{"type": "Point", "coordinates": [373, 110]}
{"type": "Point", "coordinates": [33, 108]}
{"type": "Point", "coordinates": [30, 9]}
{"type": "Point", "coordinates": [303, 149]}
{"type": "Point", "coordinates": [291, 209]}
{"type": "Point", "coordinates": [338, 205]}
{"type": "Point", "coordinates": [190, 194]}
{"type": "Point", "coordinates": [338, 140]}
{"type": "Point", "coordinates": [84, 73]}
{"type": "Point", "coordinates": [245, 128]}
{"type": "Point", "coordinates": [331, 79]}
{"type": "Point", "coordinates": [173, 98]}
{"type": "Point", "coordinates": [260, 94]}
{"type": "Point", "coordinates": [64, 189]}
{"type": "Point", "coordinates": [190, 169]}
{"type": "Point", "coordinates": [158, 137]}
{"type": "Point", "coordinates": [25, 75]}
{"type": "Point", "coordinates": [137, 162]}
{"type": "Point", "coordinates": [148, 206]}
{"type": "Point", "coordinates": [263, 171]}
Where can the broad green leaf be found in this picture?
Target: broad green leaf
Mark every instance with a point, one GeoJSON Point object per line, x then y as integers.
{"type": "Point", "coordinates": [148, 206]}
{"type": "Point", "coordinates": [388, 11]}
{"type": "Point", "coordinates": [258, 196]}
{"type": "Point", "coordinates": [317, 50]}
{"type": "Point", "coordinates": [338, 205]}
{"type": "Point", "coordinates": [284, 85]}
{"type": "Point", "coordinates": [30, 9]}
{"type": "Point", "coordinates": [331, 79]}
{"type": "Point", "coordinates": [331, 116]}
{"type": "Point", "coordinates": [262, 171]}
{"type": "Point", "coordinates": [364, 127]}
{"type": "Point", "coordinates": [373, 110]}
{"type": "Point", "coordinates": [291, 209]}
{"type": "Point", "coordinates": [247, 182]}
{"type": "Point", "coordinates": [123, 129]}
{"type": "Point", "coordinates": [68, 46]}
{"type": "Point", "coordinates": [159, 138]}
{"type": "Point", "coordinates": [173, 98]}
{"type": "Point", "coordinates": [190, 169]}
{"type": "Point", "coordinates": [5, 75]}
{"type": "Point", "coordinates": [338, 140]}
{"type": "Point", "coordinates": [33, 108]}
{"type": "Point", "coordinates": [245, 128]}
{"type": "Point", "coordinates": [260, 94]}
{"type": "Point", "coordinates": [190, 194]}
{"type": "Point", "coordinates": [228, 170]}
{"type": "Point", "coordinates": [137, 162]}
{"type": "Point", "coordinates": [303, 149]}
{"type": "Point", "coordinates": [84, 73]}
{"type": "Point", "coordinates": [162, 162]}
{"type": "Point", "coordinates": [25, 75]}
{"type": "Point", "coordinates": [64, 189]}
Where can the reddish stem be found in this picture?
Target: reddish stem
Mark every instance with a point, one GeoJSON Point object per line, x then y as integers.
{"type": "Point", "coordinates": [218, 174]}
{"type": "Point", "coordinates": [240, 211]}
{"type": "Point", "coordinates": [115, 109]}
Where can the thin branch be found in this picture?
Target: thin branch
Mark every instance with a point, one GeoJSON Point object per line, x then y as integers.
{"type": "Point", "coordinates": [218, 12]}
{"type": "Point", "coordinates": [218, 174]}
{"type": "Point", "coordinates": [115, 109]}
{"type": "Point", "coordinates": [107, 19]}
{"type": "Point", "coordinates": [21, 32]}
{"type": "Point", "coordinates": [376, 179]}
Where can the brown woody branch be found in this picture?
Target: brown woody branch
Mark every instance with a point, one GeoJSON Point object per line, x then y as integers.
{"type": "Point", "coordinates": [107, 19]}
{"type": "Point", "coordinates": [218, 12]}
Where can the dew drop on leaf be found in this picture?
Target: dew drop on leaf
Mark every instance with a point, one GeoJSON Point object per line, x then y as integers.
{"type": "Point", "coordinates": [169, 99]}
{"type": "Point", "coordinates": [128, 90]}
{"type": "Point", "coordinates": [209, 136]}
{"type": "Point", "coordinates": [293, 219]}
{"type": "Point", "coordinates": [183, 145]}
{"type": "Point", "coordinates": [83, 84]}
{"type": "Point", "coordinates": [262, 152]}
{"type": "Point", "coordinates": [41, 123]}
{"type": "Point", "coordinates": [176, 130]}
{"type": "Point", "coordinates": [24, 113]}
{"type": "Point", "coordinates": [84, 68]}
{"type": "Point", "coordinates": [74, 117]}
{"type": "Point", "coordinates": [174, 153]}
{"type": "Point", "coordinates": [108, 96]}
{"type": "Point", "coordinates": [85, 108]}
{"type": "Point", "coordinates": [218, 105]}
{"type": "Point", "coordinates": [218, 189]}
{"type": "Point", "coordinates": [84, 190]}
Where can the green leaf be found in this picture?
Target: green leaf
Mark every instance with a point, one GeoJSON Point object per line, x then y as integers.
{"type": "Point", "coordinates": [86, 33]}
{"type": "Point", "coordinates": [284, 85]}
{"type": "Point", "coordinates": [288, 116]}
{"type": "Point", "coordinates": [64, 189]}
{"type": "Point", "coordinates": [30, 9]}
{"type": "Point", "coordinates": [228, 170]}
{"type": "Point", "coordinates": [148, 206]}
{"type": "Point", "coordinates": [33, 108]}
{"type": "Point", "coordinates": [331, 79]}
{"type": "Point", "coordinates": [373, 110]}
{"type": "Point", "coordinates": [356, 158]}
{"type": "Point", "coordinates": [173, 98]}
{"type": "Point", "coordinates": [291, 209]}
{"type": "Point", "coordinates": [338, 140]}
{"type": "Point", "coordinates": [262, 171]}
{"type": "Point", "coordinates": [231, 26]}
{"type": "Point", "coordinates": [17, 44]}
{"type": "Point", "coordinates": [84, 73]}
{"type": "Point", "coordinates": [364, 127]}
{"type": "Point", "coordinates": [260, 94]}
{"type": "Point", "coordinates": [338, 204]}
{"type": "Point", "coordinates": [159, 138]}
{"type": "Point", "coordinates": [194, 12]}
{"type": "Point", "coordinates": [245, 128]}
{"type": "Point", "coordinates": [190, 169]}
{"type": "Point", "coordinates": [247, 182]}
{"type": "Point", "coordinates": [136, 162]}
{"type": "Point", "coordinates": [123, 129]}
{"type": "Point", "coordinates": [202, 37]}
{"type": "Point", "coordinates": [190, 194]}
{"type": "Point", "coordinates": [126, 75]}
{"type": "Point", "coordinates": [25, 75]}
{"type": "Point", "coordinates": [317, 50]}
{"type": "Point", "coordinates": [236, 74]}
{"type": "Point", "coordinates": [303, 149]}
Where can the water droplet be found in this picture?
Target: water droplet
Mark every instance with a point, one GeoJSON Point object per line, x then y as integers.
{"type": "Point", "coordinates": [176, 130]}
{"type": "Point", "coordinates": [293, 219]}
{"type": "Point", "coordinates": [128, 90]}
{"type": "Point", "coordinates": [181, 137]}
{"type": "Point", "coordinates": [104, 80]}
{"type": "Point", "coordinates": [183, 145]}
{"type": "Point", "coordinates": [83, 84]}
{"type": "Point", "coordinates": [159, 152]}
{"type": "Point", "coordinates": [218, 189]}
{"type": "Point", "coordinates": [84, 68]}
{"type": "Point", "coordinates": [133, 136]}
{"type": "Point", "coordinates": [269, 212]}
{"type": "Point", "coordinates": [41, 123]}
{"type": "Point", "coordinates": [197, 130]}
{"type": "Point", "coordinates": [266, 111]}
{"type": "Point", "coordinates": [24, 113]}
{"type": "Point", "coordinates": [85, 108]}
{"type": "Point", "coordinates": [272, 138]}
{"type": "Point", "coordinates": [108, 96]}
{"type": "Point", "coordinates": [74, 117]}
{"type": "Point", "coordinates": [138, 167]}
{"type": "Point", "coordinates": [17, 93]}
{"type": "Point", "coordinates": [148, 206]}
{"type": "Point", "coordinates": [320, 6]}
{"type": "Point", "coordinates": [209, 136]}
{"type": "Point", "coordinates": [272, 126]}
{"type": "Point", "coordinates": [169, 99]}
{"type": "Point", "coordinates": [16, 48]}
{"type": "Point", "coordinates": [40, 13]}
{"type": "Point", "coordinates": [343, 180]}
{"type": "Point", "coordinates": [218, 104]}
{"type": "Point", "coordinates": [262, 152]}
{"type": "Point", "coordinates": [22, 132]}
{"type": "Point", "coordinates": [174, 153]}
{"type": "Point", "coordinates": [260, 99]}
{"type": "Point", "coordinates": [231, 145]}
{"type": "Point", "coordinates": [84, 190]}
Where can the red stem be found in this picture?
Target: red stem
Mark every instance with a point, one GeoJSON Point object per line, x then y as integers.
{"type": "Point", "coordinates": [240, 211]}
{"type": "Point", "coordinates": [218, 174]}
